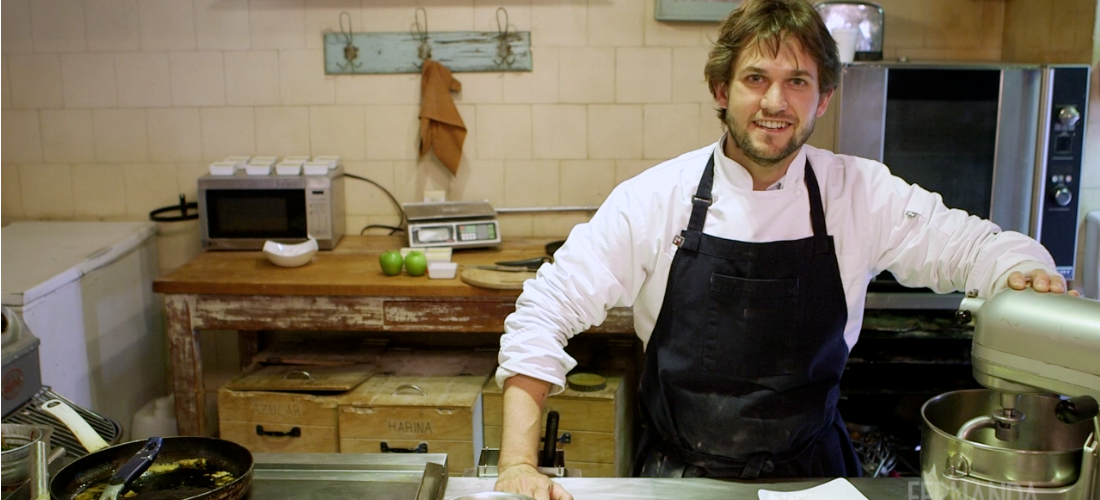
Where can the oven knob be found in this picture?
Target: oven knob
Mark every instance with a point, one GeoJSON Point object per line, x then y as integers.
{"type": "Point", "coordinates": [1069, 116]}
{"type": "Point", "coordinates": [1062, 195]}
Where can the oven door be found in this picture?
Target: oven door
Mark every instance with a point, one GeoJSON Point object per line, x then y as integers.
{"type": "Point", "coordinates": [245, 218]}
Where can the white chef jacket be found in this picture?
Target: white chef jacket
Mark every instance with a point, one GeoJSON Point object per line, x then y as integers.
{"type": "Point", "coordinates": [622, 257]}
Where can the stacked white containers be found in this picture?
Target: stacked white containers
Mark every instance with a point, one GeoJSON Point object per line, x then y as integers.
{"type": "Point", "coordinates": [85, 290]}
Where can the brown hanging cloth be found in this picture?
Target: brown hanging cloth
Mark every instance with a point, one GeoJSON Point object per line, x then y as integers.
{"type": "Point", "coordinates": [441, 127]}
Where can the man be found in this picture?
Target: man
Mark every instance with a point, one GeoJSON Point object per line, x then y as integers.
{"type": "Point", "coordinates": [746, 263]}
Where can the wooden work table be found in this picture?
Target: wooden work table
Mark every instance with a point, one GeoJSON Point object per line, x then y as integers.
{"type": "Point", "coordinates": [340, 290]}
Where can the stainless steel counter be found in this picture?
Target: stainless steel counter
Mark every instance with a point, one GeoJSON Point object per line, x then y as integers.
{"type": "Point", "coordinates": [696, 489]}
{"type": "Point", "coordinates": [335, 476]}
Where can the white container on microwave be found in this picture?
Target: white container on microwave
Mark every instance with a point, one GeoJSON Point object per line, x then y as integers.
{"type": "Point", "coordinates": [241, 212]}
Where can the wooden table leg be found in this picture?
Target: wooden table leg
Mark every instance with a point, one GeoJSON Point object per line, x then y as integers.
{"type": "Point", "coordinates": [184, 344]}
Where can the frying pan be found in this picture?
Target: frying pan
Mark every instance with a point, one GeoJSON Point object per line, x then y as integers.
{"type": "Point", "coordinates": [182, 483]}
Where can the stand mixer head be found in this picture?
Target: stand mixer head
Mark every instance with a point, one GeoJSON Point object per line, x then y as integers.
{"type": "Point", "coordinates": [1026, 342]}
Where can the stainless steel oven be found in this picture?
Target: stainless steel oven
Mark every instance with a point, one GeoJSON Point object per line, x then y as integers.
{"type": "Point", "coordinates": [1003, 142]}
{"type": "Point", "coordinates": [241, 212]}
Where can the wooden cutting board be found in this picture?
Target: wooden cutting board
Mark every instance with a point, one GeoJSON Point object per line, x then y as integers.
{"type": "Point", "coordinates": [303, 378]}
{"type": "Point", "coordinates": [498, 280]}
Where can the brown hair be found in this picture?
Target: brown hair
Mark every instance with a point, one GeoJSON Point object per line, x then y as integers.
{"type": "Point", "coordinates": [766, 24]}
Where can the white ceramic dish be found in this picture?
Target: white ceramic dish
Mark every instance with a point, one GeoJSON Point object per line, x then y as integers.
{"type": "Point", "coordinates": [290, 255]}
{"type": "Point", "coordinates": [223, 168]}
{"type": "Point", "coordinates": [253, 169]}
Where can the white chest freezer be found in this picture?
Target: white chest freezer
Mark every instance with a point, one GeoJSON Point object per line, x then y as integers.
{"type": "Point", "coordinates": [85, 290]}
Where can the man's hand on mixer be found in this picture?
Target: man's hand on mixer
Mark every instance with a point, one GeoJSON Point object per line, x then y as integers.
{"type": "Point", "coordinates": [1040, 281]}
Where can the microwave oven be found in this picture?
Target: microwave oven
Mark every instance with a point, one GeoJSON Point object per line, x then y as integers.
{"type": "Point", "coordinates": [241, 212]}
{"type": "Point", "coordinates": [1001, 141]}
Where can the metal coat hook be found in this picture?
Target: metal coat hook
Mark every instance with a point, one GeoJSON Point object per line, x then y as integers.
{"type": "Point", "coordinates": [351, 52]}
{"type": "Point", "coordinates": [504, 49]}
{"type": "Point", "coordinates": [424, 51]}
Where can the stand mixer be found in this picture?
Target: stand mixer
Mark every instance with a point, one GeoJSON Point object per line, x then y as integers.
{"type": "Point", "coordinates": [1032, 434]}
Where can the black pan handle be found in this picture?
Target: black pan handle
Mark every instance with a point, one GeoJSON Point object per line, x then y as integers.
{"type": "Point", "coordinates": [550, 442]}
{"type": "Point", "coordinates": [135, 466]}
{"type": "Point", "coordinates": [423, 448]}
{"type": "Point", "coordinates": [294, 432]}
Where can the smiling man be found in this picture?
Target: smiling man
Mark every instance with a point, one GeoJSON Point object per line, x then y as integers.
{"type": "Point", "coordinates": [746, 264]}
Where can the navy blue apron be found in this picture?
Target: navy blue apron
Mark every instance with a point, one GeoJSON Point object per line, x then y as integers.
{"type": "Point", "coordinates": [742, 371]}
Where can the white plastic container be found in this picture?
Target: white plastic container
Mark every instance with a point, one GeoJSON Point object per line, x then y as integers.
{"type": "Point", "coordinates": [299, 159]}
{"type": "Point", "coordinates": [239, 161]}
{"type": "Point", "coordinates": [316, 168]}
{"type": "Point", "coordinates": [442, 270]}
{"type": "Point", "coordinates": [333, 161]}
{"type": "Point", "coordinates": [264, 160]}
{"type": "Point", "coordinates": [156, 418]}
{"type": "Point", "coordinates": [223, 168]}
{"type": "Point", "coordinates": [288, 168]}
{"type": "Point", "coordinates": [254, 169]}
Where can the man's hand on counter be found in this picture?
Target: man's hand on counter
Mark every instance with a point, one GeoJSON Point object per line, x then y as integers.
{"type": "Point", "coordinates": [1040, 281]}
{"type": "Point", "coordinates": [526, 480]}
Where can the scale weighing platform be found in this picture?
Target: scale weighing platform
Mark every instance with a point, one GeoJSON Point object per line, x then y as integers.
{"type": "Point", "coordinates": [458, 224]}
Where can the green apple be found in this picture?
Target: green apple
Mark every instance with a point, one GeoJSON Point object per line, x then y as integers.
{"type": "Point", "coordinates": [390, 262]}
{"type": "Point", "coordinates": [416, 264]}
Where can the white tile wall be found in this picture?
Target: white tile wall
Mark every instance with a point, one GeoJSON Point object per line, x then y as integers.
{"type": "Point", "coordinates": [112, 25]}
{"type": "Point", "coordinates": [11, 206]}
{"type": "Point", "coordinates": [617, 23]}
{"type": "Point", "coordinates": [643, 75]}
{"type": "Point", "coordinates": [586, 75]}
{"type": "Point", "coordinates": [301, 80]}
{"type": "Point", "coordinates": [198, 78]}
{"type": "Point", "coordinates": [125, 102]}
{"type": "Point", "coordinates": [22, 139]}
{"type": "Point", "coordinates": [670, 129]}
{"type": "Point", "coordinates": [392, 132]}
{"type": "Point", "coordinates": [174, 134]}
{"type": "Point", "coordinates": [531, 183]}
{"type": "Point", "coordinates": [378, 89]}
{"type": "Point", "coordinates": [338, 130]}
{"type": "Point", "coordinates": [277, 24]}
{"type": "Point", "coordinates": [364, 198]}
{"type": "Point", "coordinates": [58, 25]}
{"type": "Point", "coordinates": [36, 81]}
{"type": "Point", "coordinates": [222, 24]}
{"type": "Point", "coordinates": [252, 78]}
{"type": "Point", "coordinates": [47, 191]}
{"type": "Point", "coordinates": [505, 131]}
{"type": "Point", "coordinates": [99, 190]}
{"type": "Point", "coordinates": [586, 182]}
{"type": "Point", "coordinates": [560, 131]}
{"type": "Point", "coordinates": [67, 135]}
{"type": "Point", "coordinates": [149, 186]}
{"type": "Point", "coordinates": [555, 23]}
{"type": "Point", "coordinates": [5, 82]}
{"type": "Point", "coordinates": [615, 131]}
{"type": "Point", "coordinates": [120, 135]}
{"type": "Point", "coordinates": [228, 132]}
{"type": "Point", "coordinates": [88, 80]}
{"type": "Point", "coordinates": [143, 79]}
{"type": "Point", "coordinates": [167, 24]}
{"type": "Point", "coordinates": [15, 26]}
{"type": "Point", "coordinates": [283, 130]}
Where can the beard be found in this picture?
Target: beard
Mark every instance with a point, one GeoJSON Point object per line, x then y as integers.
{"type": "Point", "coordinates": [761, 154]}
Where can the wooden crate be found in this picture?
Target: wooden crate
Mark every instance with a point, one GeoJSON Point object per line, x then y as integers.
{"type": "Point", "coordinates": [441, 414]}
{"type": "Point", "coordinates": [600, 425]}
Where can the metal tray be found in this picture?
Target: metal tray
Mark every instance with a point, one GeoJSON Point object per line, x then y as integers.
{"type": "Point", "coordinates": [338, 476]}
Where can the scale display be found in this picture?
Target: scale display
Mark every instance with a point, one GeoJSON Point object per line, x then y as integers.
{"type": "Point", "coordinates": [454, 234]}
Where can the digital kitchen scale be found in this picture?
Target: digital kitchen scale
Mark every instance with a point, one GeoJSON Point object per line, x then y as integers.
{"type": "Point", "coordinates": [458, 224]}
